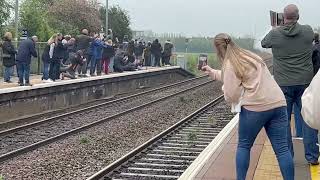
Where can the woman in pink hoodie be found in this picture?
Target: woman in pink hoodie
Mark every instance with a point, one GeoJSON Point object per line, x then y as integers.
{"type": "Point", "coordinates": [248, 82]}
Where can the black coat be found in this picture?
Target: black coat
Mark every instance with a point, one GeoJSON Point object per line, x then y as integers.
{"type": "Point", "coordinates": [25, 51]}
{"type": "Point", "coordinates": [59, 51]}
{"type": "Point", "coordinates": [316, 58]}
{"type": "Point", "coordinates": [9, 53]}
{"type": "Point", "coordinates": [108, 51]}
{"type": "Point", "coordinates": [156, 49]}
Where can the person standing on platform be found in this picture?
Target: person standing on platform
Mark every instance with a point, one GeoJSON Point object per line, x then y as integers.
{"type": "Point", "coordinates": [138, 53]}
{"type": "Point", "coordinates": [167, 53]}
{"type": "Point", "coordinates": [293, 70]}
{"type": "Point", "coordinates": [316, 54]}
{"type": "Point", "coordinates": [8, 56]}
{"type": "Point", "coordinates": [107, 62]}
{"type": "Point", "coordinates": [147, 55]}
{"type": "Point", "coordinates": [96, 55]}
{"type": "Point", "coordinates": [57, 58]}
{"type": "Point", "coordinates": [156, 50]}
{"type": "Point", "coordinates": [251, 90]}
{"type": "Point", "coordinates": [47, 57]}
{"type": "Point", "coordinates": [83, 43]}
{"type": "Point", "coordinates": [25, 51]}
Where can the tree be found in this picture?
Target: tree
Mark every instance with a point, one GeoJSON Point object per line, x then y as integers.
{"type": "Point", "coordinates": [34, 18]}
{"type": "Point", "coordinates": [70, 16]}
{"type": "Point", "coordinates": [119, 21]}
{"type": "Point", "coordinates": [5, 10]}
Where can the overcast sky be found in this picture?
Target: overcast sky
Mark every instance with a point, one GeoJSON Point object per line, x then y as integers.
{"type": "Point", "coordinates": [209, 17]}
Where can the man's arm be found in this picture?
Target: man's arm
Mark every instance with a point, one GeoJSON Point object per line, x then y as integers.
{"type": "Point", "coordinates": [33, 50]}
{"type": "Point", "coordinates": [267, 40]}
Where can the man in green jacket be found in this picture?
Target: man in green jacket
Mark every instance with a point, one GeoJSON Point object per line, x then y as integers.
{"type": "Point", "coordinates": [293, 70]}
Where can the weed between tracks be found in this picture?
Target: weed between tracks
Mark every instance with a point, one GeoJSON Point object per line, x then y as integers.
{"type": "Point", "coordinates": [1, 177]}
{"type": "Point", "coordinates": [192, 136]}
{"type": "Point", "coordinates": [212, 121]}
{"type": "Point", "coordinates": [83, 140]}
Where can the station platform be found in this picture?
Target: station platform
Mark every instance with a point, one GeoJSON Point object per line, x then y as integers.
{"type": "Point", "coordinates": [217, 161]}
{"type": "Point", "coordinates": [17, 102]}
{"type": "Point", "coordinates": [36, 79]}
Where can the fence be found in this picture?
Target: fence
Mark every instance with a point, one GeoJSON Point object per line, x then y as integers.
{"type": "Point", "coordinates": [36, 63]}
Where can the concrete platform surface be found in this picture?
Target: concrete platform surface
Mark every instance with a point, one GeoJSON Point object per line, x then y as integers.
{"type": "Point", "coordinates": [36, 81]}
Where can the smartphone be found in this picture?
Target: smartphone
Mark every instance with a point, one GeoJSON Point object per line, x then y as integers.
{"type": "Point", "coordinates": [202, 61]}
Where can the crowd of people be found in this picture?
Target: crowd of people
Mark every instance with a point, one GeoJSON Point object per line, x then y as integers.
{"type": "Point", "coordinates": [267, 102]}
{"type": "Point", "coordinates": [82, 56]}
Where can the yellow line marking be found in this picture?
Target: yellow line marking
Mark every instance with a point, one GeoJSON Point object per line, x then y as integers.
{"type": "Point", "coordinates": [314, 171]}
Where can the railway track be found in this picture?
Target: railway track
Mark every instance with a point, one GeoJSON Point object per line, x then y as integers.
{"type": "Point", "coordinates": [169, 154]}
{"type": "Point", "coordinates": [28, 137]}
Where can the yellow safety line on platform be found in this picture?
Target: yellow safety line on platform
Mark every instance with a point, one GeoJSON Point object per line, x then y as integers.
{"type": "Point", "coordinates": [315, 172]}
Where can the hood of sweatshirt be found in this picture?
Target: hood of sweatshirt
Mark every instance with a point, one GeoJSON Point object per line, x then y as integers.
{"type": "Point", "coordinates": [291, 30]}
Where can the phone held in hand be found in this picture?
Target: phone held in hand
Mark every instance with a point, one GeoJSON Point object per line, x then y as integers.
{"type": "Point", "coordinates": [202, 61]}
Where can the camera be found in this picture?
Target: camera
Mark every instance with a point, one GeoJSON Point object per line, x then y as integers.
{"type": "Point", "coordinates": [277, 19]}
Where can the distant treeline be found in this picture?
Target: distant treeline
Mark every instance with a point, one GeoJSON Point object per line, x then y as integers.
{"type": "Point", "coordinates": [200, 44]}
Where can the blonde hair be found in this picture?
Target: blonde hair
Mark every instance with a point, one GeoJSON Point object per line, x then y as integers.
{"type": "Point", "coordinates": [240, 59]}
{"type": "Point", "coordinates": [8, 35]}
{"type": "Point", "coordinates": [52, 39]}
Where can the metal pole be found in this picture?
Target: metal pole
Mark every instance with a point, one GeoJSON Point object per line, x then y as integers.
{"type": "Point", "coordinates": [107, 23]}
{"type": "Point", "coordinates": [16, 15]}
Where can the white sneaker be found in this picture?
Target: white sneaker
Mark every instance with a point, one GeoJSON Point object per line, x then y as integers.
{"type": "Point", "coordinates": [47, 81]}
{"type": "Point", "coordinates": [88, 75]}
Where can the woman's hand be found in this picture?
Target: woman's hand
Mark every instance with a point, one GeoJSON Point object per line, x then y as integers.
{"type": "Point", "coordinates": [209, 71]}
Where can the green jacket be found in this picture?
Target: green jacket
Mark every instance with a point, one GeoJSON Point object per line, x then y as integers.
{"type": "Point", "coordinates": [292, 54]}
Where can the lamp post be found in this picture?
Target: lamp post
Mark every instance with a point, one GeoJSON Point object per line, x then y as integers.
{"type": "Point", "coordinates": [106, 17]}
{"type": "Point", "coordinates": [16, 15]}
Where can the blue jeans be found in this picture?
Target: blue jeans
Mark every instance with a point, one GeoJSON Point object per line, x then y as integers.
{"type": "Point", "coordinates": [8, 71]}
{"type": "Point", "coordinates": [297, 120]}
{"type": "Point", "coordinates": [310, 136]}
{"type": "Point", "coordinates": [275, 123]}
{"type": "Point", "coordinates": [24, 72]}
{"type": "Point", "coordinates": [46, 66]}
{"type": "Point", "coordinates": [94, 65]}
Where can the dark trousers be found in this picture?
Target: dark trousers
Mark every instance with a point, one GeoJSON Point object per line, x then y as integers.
{"type": "Point", "coordinates": [293, 96]}
{"type": "Point", "coordinates": [83, 69]}
{"type": "Point", "coordinates": [54, 72]}
{"type": "Point", "coordinates": [157, 60]}
{"type": "Point", "coordinates": [24, 72]}
{"type": "Point", "coordinates": [166, 60]}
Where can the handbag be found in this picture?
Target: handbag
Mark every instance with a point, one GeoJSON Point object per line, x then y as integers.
{"type": "Point", "coordinates": [310, 110]}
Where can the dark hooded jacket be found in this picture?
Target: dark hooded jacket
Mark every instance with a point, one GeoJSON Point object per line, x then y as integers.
{"type": "Point", "coordinates": [156, 48]}
{"type": "Point", "coordinates": [9, 53]}
{"type": "Point", "coordinates": [292, 54]}
{"type": "Point", "coordinates": [26, 49]}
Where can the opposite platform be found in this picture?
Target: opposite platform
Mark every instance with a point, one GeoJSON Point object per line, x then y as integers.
{"type": "Point", "coordinates": [17, 102]}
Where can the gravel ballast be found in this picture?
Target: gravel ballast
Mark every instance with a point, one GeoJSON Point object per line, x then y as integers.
{"type": "Point", "coordinates": [81, 155]}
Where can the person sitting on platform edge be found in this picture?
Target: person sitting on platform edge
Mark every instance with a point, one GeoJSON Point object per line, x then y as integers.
{"type": "Point", "coordinates": [293, 70]}
{"type": "Point", "coordinates": [75, 59]}
{"type": "Point", "coordinates": [25, 51]}
{"type": "Point", "coordinates": [248, 82]}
